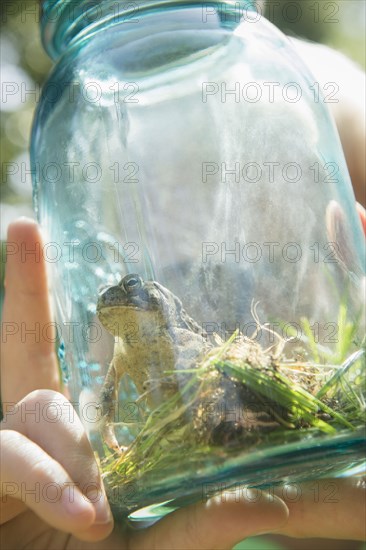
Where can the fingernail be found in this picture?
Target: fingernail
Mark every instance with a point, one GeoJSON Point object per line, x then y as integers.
{"type": "Point", "coordinates": [26, 219]}
{"type": "Point", "coordinates": [269, 532]}
{"type": "Point", "coordinates": [22, 220]}
{"type": "Point", "coordinates": [99, 500]}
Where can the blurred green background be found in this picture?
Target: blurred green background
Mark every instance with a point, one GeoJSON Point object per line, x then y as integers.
{"type": "Point", "coordinates": [340, 24]}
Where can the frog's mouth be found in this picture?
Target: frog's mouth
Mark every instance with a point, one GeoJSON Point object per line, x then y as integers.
{"type": "Point", "coordinates": [116, 311]}
{"type": "Point", "coordinates": [116, 297]}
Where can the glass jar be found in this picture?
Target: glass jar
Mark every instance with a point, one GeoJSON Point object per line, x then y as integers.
{"type": "Point", "coordinates": [205, 252]}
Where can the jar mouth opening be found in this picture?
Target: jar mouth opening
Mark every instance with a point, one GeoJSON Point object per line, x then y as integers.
{"type": "Point", "coordinates": [64, 22]}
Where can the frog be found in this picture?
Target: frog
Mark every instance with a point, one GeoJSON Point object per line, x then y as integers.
{"type": "Point", "coordinates": [155, 342]}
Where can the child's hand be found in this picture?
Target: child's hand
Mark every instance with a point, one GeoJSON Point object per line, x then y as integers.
{"type": "Point", "coordinates": [47, 464]}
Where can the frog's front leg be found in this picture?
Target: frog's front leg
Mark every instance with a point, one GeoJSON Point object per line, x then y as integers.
{"type": "Point", "coordinates": [108, 401]}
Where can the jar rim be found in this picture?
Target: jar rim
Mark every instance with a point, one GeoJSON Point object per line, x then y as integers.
{"type": "Point", "coordinates": [63, 20]}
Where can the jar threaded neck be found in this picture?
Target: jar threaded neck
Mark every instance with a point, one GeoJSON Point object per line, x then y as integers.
{"type": "Point", "coordinates": [66, 21]}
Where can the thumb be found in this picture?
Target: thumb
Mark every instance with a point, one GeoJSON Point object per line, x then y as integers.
{"type": "Point", "coordinates": [220, 523]}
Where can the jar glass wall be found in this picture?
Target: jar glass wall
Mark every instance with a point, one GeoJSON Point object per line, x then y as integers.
{"type": "Point", "coordinates": [209, 274]}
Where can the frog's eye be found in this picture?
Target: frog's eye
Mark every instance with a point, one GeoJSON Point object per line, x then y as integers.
{"type": "Point", "coordinates": [132, 283]}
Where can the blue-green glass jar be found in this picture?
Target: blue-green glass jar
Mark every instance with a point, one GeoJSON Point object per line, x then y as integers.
{"type": "Point", "coordinates": [205, 252]}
